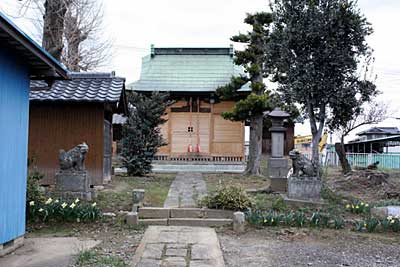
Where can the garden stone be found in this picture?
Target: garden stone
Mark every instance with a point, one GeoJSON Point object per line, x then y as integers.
{"type": "Point", "coordinates": [304, 188]}
{"type": "Point", "coordinates": [238, 222]}
{"type": "Point", "coordinates": [132, 218]}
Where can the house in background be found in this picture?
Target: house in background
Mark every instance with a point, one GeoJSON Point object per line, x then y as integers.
{"type": "Point", "coordinates": [71, 112]}
{"type": "Point", "coordinates": [195, 129]}
{"type": "Point", "coordinates": [376, 140]}
{"type": "Point", "coordinates": [21, 59]}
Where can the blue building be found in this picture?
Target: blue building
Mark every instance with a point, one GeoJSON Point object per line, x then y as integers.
{"type": "Point", "coordinates": [21, 59]}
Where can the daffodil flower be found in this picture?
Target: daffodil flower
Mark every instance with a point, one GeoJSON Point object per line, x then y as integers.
{"type": "Point", "coordinates": [40, 210]}
{"type": "Point", "coordinates": [389, 218]}
{"type": "Point", "coordinates": [357, 207]}
{"type": "Point", "coordinates": [392, 221]}
{"type": "Point", "coordinates": [365, 225]}
{"type": "Point", "coordinates": [63, 205]}
{"type": "Point", "coordinates": [76, 200]}
{"type": "Point", "coordinates": [272, 220]}
{"type": "Point", "coordinates": [265, 220]}
{"type": "Point", "coordinates": [72, 205]}
{"type": "Point", "coordinates": [94, 204]}
{"type": "Point", "coordinates": [348, 206]}
{"type": "Point", "coordinates": [366, 205]}
{"type": "Point", "coordinates": [32, 203]}
{"type": "Point", "coordinates": [49, 201]}
{"type": "Point", "coordinates": [56, 201]}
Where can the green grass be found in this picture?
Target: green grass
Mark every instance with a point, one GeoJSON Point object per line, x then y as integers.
{"type": "Point", "coordinates": [91, 258]}
{"type": "Point", "coordinates": [118, 195]}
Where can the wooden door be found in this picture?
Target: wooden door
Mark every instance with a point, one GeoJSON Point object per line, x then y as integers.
{"type": "Point", "coordinates": [107, 162]}
{"type": "Point", "coordinates": [190, 129]}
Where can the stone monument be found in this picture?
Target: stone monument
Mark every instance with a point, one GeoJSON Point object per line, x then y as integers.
{"type": "Point", "coordinates": [72, 180]}
{"type": "Point", "coordinates": [277, 164]}
{"type": "Point", "coordinates": [304, 183]}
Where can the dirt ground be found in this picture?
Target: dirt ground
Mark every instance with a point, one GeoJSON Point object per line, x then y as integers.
{"type": "Point", "coordinates": [308, 247]}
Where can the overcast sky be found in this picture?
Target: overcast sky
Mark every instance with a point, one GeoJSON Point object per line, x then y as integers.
{"type": "Point", "coordinates": [135, 25]}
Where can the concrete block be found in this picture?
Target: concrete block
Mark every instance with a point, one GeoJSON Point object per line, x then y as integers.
{"type": "Point", "coordinates": [74, 181]}
{"type": "Point", "coordinates": [239, 222]}
{"type": "Point", "coordinates": [187, 213]}
{"type": "Point", "coordinates": [199, 222]}
{"type": "Point", "coordinates": [304, 188]}
{"type": "Point", "coordinates": [154, 221]}
{"type": "Point", "coordinates": [132, 218]}
{"type": "Point", "coordinates": [219, 214]}
{"type": "Point", "coordinates": [154, 213]}
{"type": "Point", "coordinates": [384, 212]}
{"type": "Point", "coordinates": [11, 245]}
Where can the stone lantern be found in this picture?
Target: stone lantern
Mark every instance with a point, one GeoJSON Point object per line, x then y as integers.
{"type": "Point", "coordinates": [277, 163]}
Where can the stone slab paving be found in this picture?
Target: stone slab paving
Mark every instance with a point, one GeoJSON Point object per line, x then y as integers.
{"type": "Point", "coordinates": [179, 246]}
{"type": "Point", "coordinates": [185, 190]}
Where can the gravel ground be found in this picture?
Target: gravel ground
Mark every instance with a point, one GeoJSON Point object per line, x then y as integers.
{"type": "Point", "coordinates": [305, 247]}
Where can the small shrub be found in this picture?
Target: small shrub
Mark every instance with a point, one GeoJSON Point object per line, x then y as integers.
{"type": "Point", "coordinates": [358, 207]}
{"type": "Point", "coordinates": [58, 210]}
{"type": "Point", "coordinates": [229, 198]}
{"type": "Point", "coordinates": [33, 190]}
{"type": "Point", "coordinates": [338, 223]}
{"type": "Point", "coordinates": [371, 224]}
{"type": "Point", "coordinates": [299, 219]}
{"type": "Point", "coordinates": [279, 204]}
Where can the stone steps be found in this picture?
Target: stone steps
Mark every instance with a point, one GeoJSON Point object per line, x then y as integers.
{"type": "Point", "coordinates": [185, 217]}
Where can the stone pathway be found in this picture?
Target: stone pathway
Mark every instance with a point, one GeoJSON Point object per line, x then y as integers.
{"type": "Point", "coordinates": [185, 190]}
{"type": "Point", "coordinates": [179, 246]}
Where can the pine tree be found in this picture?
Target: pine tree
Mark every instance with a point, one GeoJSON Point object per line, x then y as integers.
{"type": "Point", "coordinates": [252, 108]}
{"type": "Point", "coordinates": [141, 134]}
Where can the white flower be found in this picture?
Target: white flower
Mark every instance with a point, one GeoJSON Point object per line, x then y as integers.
{"type": "Point", "coordinates": [56, 201]}
{"type": "Point", "coordinates": [40, 210]}
{"type": "Point", "coordinates": [72, 205]}
{"type": "Point", "coordinates": [76, 200]}
{"type": "Point", "coordinates": [49, 201]}
{"type": "Point", "coordinates": [32, 203]}
{"type": "Point", "coordinates": [94, 204]}
{"type": "Point", "coordinates": [390, 218]}
{"type": "Point", "coordinates": [63, 205]}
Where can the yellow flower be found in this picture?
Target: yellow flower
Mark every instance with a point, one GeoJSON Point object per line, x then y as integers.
{"type": "Point", "coordinates": [366, 205]}
{"type": "Point", "coordinates": [365, 225]}
{"type": "Point", "coordinates": [56, 201]}
{"type": "Point", "coordinates": [49, 201]}
{"type": "Point", "coordinates": [272, 220]}
{"type": "Point", "coordinates": [348, 206]}
{"type": "Point", "coordinates": [40, 210]}
{"type": "Point", "coordinates": [392, 221]}
{"type": "Point", "coordinates": [32, 203]}
{"type": "Point", "coordinates": [94, 204]}
{"type": "Point", "coordinates": [357, 207]}
{"type": "Point", "coordinates": [72, 205]}
{"type": "Point", "coordinates": [63, 205]}
{"type": "Point", "coordinates": [352, 206]}
{"type": "Point", "coordinates": [389, 218]}
{"type": "Point", "coordinates": [76, 200]}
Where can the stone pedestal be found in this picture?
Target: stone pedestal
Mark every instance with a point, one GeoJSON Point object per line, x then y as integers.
{"type": "Point", "coordinates": [73, 184]}
{"type": "Point", "coordinates": [278, 169]}
{"type": "Point", "coordinates": [304, 188]}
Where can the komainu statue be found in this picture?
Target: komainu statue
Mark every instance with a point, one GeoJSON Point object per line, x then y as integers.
{"type": "Point", "coordinates": [302, 166]}
{"type": "Point", "coordinates": [73, 159]}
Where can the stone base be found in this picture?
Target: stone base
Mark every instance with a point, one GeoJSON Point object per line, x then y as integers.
{"type": "Point", "coordinates": [304, 188]}
{"type": "Point", "coordinates": [278, 167]}
{"type": "Point", "coordinates": [73, 195]}
{"type": "Point", "coordinates": [72, 181]}
{"type": "Point", "coordinates": [11, 246]}
{"type": "Point", "coordinates": [278, 184]}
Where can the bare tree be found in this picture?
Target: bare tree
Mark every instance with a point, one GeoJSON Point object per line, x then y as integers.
{"type": "Point", "coordinates": [71, 31]}
{"type": "Point", "coordinates": [371, 113]}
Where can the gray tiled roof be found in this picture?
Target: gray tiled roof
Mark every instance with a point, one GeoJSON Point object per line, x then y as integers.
{"type": "Point", "coordinates": [381, 130]}
{"type": "Point", "coordinates": [187, 70]}
{"type": "Point", "coordinates": [83, 87]}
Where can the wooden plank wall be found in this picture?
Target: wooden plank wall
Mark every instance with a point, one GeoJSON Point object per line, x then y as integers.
{"type": "Point", "coordinates": [55, 126]}
{"type": "Point", "coordinates": [14, 108]}
{"type": "Point", "coordinates": [216, 136]}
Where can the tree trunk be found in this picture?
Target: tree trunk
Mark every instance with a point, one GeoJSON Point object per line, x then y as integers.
{"type": "Point", "coordinates": [340, 150]}
{"type": "Point", "coordinates": [53, 26]}
{"type": "Point", "coordinates": [255, 149]}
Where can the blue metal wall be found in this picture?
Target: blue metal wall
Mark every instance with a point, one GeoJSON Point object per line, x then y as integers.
{"type": "Point", "coordinates": [14, 118]}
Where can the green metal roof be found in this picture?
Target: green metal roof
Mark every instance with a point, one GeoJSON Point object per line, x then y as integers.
{"type": "Point", "coordinates": [187, 70]}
